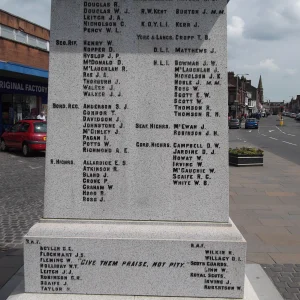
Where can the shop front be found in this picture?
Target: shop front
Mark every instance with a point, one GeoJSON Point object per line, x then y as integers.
{"type": "Point", "coordinates": [21, 99]}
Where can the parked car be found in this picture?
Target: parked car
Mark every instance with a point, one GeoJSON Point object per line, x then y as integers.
{"type": "Point", "coordinates": [26, 135]}
{"type": "Point", "coordinates": [256, 115]}
{"type": "Point", "coordinates": [293, 115]}
{"type": "Point", "coordinates": [297, 117]}
{"type": "Point", "coordinates": [234, 123]}
{"type": "Point", "coordinates": [251, 123]}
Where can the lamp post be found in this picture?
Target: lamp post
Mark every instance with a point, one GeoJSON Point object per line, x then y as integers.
{"type": "Point", "coordinates": [237, 83]}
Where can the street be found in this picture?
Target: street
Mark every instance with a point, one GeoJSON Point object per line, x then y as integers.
{"type": "Point", "coordinates": [280, 140]}
{"type": "Point", "coordinates": [21, 194]}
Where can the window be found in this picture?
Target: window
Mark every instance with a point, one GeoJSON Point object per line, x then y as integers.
{"type": "Point", "coordinates": [32, 40]}
{"type": "Point", "coordinates": [24, 127]}
{"type": "Point", "coordinates": [16, 127]}
{"type": "Point", "coordinates": [22, 37]}
{"type": "Point", "coordinates": [7, 109]}
{"type": "Point", "coordinates": [41, 44]}
{"type": "Point", "coordinates": [40, 127]}
{"type": "Point", "coordinates": [7, 32]}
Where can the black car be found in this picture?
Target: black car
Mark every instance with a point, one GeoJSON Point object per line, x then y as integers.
{"type": "Point", "coordinates": [234, 123]}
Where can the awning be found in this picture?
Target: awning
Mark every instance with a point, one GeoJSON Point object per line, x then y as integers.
{"type": "Point", "coordinates": [22, 69]}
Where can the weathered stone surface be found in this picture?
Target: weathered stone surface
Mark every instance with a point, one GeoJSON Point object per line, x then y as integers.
{"type": "Point", "coordinates": [125, 258]}
{"type": "Point", "coordinates": [148, 139]}
{"type": "Point", "coordinates": [137, 142]}
{"type": "Point", "coordinates": [19, 294]}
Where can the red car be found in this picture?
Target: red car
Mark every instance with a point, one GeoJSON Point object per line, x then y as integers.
{"type": "Point", "coordinates": [26, 135]}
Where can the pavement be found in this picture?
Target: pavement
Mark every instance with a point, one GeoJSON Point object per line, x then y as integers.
{"type": "Point", "coordinates": [264, 204]}
{"type": "Point", "coordinates": [21, 206]}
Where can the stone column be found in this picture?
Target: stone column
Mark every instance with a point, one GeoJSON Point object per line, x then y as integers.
{"type": "Point", "coordinates": [137, 187]}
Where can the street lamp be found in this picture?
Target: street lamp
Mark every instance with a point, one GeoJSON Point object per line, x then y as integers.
{"type": "Point", "coordinates": [236, 99]}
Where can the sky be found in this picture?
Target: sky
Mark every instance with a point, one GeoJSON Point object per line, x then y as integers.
{"type": "Point", "coordinates": [263, 39]}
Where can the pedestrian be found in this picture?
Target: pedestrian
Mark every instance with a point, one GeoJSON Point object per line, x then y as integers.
{"type": "Point", "coordinates": [42, 116]}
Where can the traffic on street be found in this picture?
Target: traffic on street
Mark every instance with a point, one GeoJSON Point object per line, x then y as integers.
{"type": "Point", "coordinates": [280, 140]}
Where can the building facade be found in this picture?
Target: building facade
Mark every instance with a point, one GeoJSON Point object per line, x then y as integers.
{"type": "Point", "coordinates": [24, 65]}
{"type": "Point", "coordinates": [237, 95]}
{"type": "Point", "coordinates": [243, 98]}
{"type": "Point", "coordinates": [275, 107]}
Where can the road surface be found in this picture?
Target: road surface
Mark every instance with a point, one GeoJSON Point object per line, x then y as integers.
{"type": "Point", "coordinates": [283, 141]}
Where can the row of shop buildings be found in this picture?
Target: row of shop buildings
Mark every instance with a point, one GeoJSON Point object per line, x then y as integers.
{"type": "Point", "coordinates": [243, 97]}
{"type": "Point", "coordinates": [294, 105]}
{"type": "Point", "coordinates": [24, 65]}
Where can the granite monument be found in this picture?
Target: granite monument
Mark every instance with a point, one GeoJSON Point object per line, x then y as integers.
{"type": "Point", "coordinates": [137, 187]}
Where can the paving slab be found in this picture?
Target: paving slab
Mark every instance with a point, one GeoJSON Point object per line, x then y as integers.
{"type": "Point", "coordinates": [275, 222]}
{"type": "Point", "coordinates": [259, 258]}
{"type": "Point", "coordinates": [262, 285]}
{"type": "Point", "coordinates": [279, 222]}
{"type": "Point", "coordinates": [267, 229]}
{"type": "Point", "coordinates": [284, 258]}
{"type": "Point", "coordinates": [22, 198]}
{"type": "Point", "coordinates": [283, 277]}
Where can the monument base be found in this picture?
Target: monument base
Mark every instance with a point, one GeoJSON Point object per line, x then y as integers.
{"type": "Point", "coordinates": [160, 259]}
{"type": "Point", "coordinates": [20, 295]}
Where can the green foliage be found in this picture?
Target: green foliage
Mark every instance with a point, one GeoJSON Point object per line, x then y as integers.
{"type": "Point", "coordinates": [246, 151]}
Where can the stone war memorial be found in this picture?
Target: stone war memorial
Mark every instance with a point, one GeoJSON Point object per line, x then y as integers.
{"type": "Point", "coordinates": [137, 176]}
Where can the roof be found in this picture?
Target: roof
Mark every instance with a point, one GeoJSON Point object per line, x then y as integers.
{"type": "Point", "coordinates": [8, 13]}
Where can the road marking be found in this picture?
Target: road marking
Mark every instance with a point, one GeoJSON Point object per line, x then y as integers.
{"type": "Point", "coordinates": [289, 143]}
{"type": "Point", "coordinates": [263, 134]}
{"type": "Point", "coordinates": [284, 132]}
{"type": "Point", "coordinates": [21, 161]}
{"type": "Point", "coordinates": [273, 138]}
{"type": "Point", "coordinates": [280, 130]}
{"type": "Point", "coordinates": [271, 130]}
{"type": "Point", "coordinates": [250, 130]}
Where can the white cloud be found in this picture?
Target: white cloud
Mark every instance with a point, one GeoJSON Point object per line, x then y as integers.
{"type": "Point", "coordinates": [236, 28]}
{"type": "Point", "coordinates": [268, 45]}
{"type": "Point", "coordinates": [292, 11]}
{"type": "Point", "coordinates": [266, 64]}
{"type": "Point", "coordinates": [291, 71]}
{"type": "Point", "coordinates": [269, 64]}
